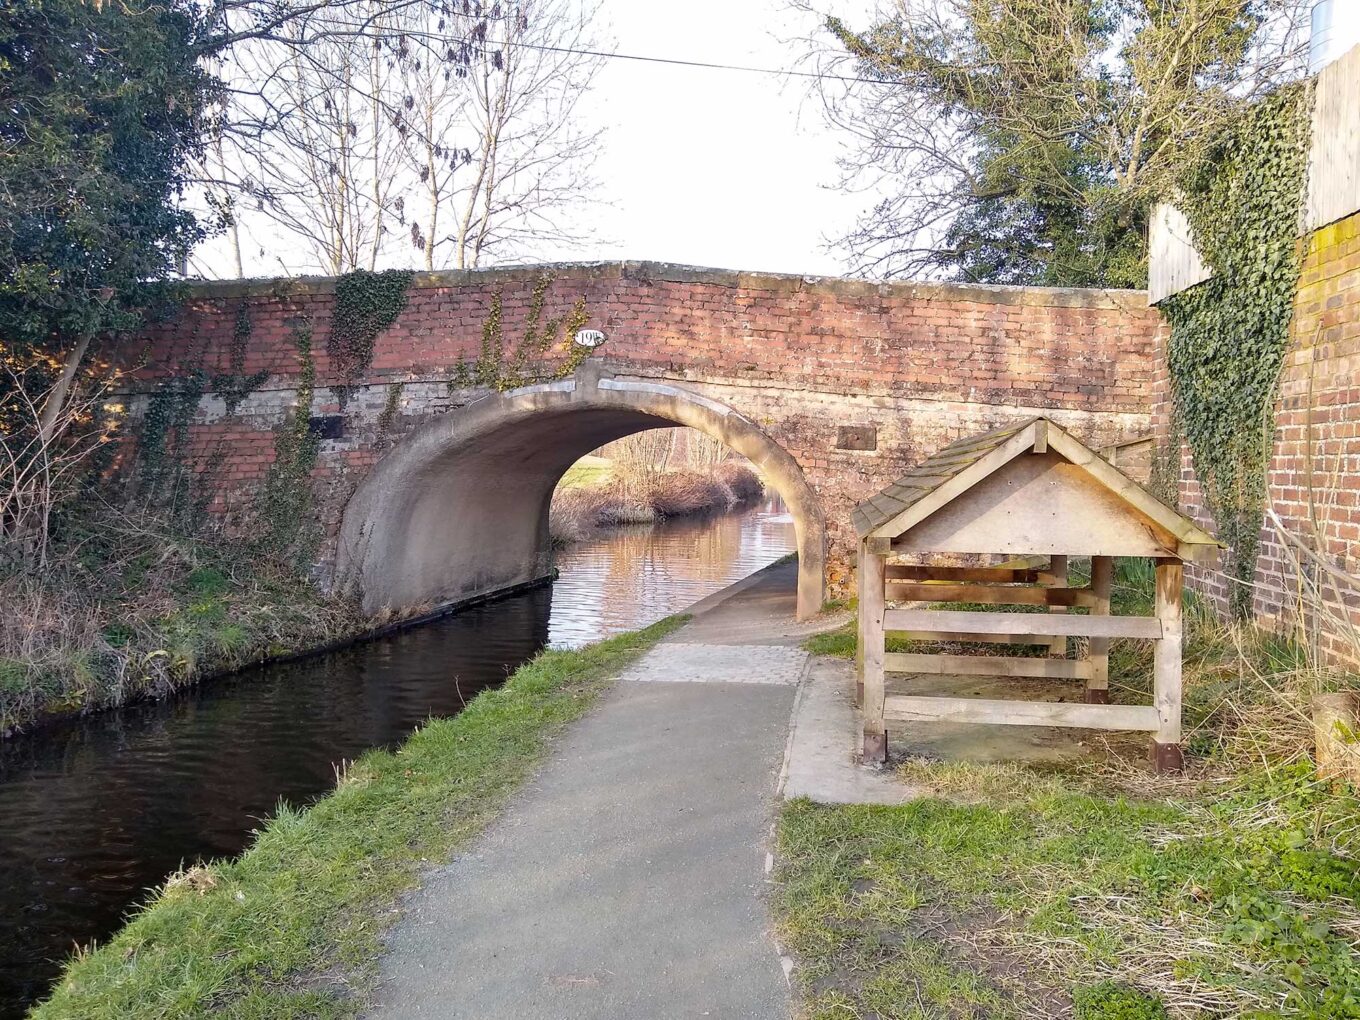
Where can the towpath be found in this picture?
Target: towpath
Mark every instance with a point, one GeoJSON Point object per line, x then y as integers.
{"type": "Point", "coordinates": [629, 879]}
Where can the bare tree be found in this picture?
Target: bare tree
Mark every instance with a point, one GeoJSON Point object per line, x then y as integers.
{"type": "Point", "coordinates": [1092, 106]}
{"type": "Point", "coordinates": [455, 126]}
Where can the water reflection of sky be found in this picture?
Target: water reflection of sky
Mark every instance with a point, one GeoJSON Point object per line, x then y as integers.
{"type": "Point", "coordinates": [650, 573]}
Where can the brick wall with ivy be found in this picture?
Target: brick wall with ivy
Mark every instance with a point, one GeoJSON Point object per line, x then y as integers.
{"type": "Point", "coordinates": [919, 365]}
{"type": "Point", "coordinates": [1313, 474]}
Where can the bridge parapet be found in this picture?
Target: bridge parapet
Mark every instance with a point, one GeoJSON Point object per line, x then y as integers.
{"type": "Point", "coordinates": [856, 380]}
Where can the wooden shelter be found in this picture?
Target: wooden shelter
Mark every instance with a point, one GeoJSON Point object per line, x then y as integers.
{"type": "Point", "coordinates": [1027, 491]}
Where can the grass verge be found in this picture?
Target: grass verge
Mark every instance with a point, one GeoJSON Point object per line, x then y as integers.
{"type": "Point", "coordinates": [292, 927]}
{"type": "Point", "coordinates": [1230, 892]}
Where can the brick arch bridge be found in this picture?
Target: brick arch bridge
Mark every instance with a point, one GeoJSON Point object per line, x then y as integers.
{"type": "Point", "coordinates": [833, 386]}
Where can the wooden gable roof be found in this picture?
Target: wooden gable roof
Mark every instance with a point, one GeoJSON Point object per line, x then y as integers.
{"type": "Point", "coordinates": [941, 479]}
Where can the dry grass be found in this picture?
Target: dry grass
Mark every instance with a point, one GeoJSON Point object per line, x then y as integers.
{"type": "Point", "coordinates": [125, 608]}
{"type": "Point", "coordinates": [578, 511]}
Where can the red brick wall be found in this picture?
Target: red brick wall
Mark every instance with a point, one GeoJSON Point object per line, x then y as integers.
{"type": "Point", "coordinates": [1314, 475]}
{"type": "Point", "coordinates": [922, 363]}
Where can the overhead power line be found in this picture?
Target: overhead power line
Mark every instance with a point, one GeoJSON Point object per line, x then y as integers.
{"type": "Point", "coordinates": [702, 64]}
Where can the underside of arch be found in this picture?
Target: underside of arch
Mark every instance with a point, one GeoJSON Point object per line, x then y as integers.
{"type": "Point", "coordinates": [459, 508]}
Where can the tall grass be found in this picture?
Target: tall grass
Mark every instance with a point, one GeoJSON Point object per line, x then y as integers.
{"type": "Point", "coordinates": [126, 607]}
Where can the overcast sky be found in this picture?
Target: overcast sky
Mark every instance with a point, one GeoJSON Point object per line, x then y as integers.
{"type": "Point", "coordinates": [716, 168]}
{"type": "Point", "coordinates": [700, 166]}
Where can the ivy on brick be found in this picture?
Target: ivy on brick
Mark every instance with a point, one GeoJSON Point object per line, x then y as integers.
{"type": "Point", "coordinates": [1229, 334]}
{"type": "Point", "coordinates": [366, 304]}
{"type": "Point", "coordinates": [501, 365]}
{"type": "Point", "coordinates": [285, 502]}
{"type": "Point", "coordinates": [235, 386]}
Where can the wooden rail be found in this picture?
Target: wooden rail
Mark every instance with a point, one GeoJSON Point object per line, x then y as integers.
{"type": "Point", "coordinates": [990, 594]}
{"type": "Point", "coordinates": [1023, 624]}
{"type": "Point", "coordinates": [994, 575]}
{"type": "Point", "coordinates": [987, 665]}
{"type": "Point", "coordinates": [906, 708]}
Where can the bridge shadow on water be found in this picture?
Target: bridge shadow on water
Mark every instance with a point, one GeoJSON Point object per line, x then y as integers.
{"type": "Point", "coordinates": [98, 811]}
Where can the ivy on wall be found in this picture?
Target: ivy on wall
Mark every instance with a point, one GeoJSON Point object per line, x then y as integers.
{"type": "Point", "coordinates": [284, 504]}
{"type": "Point", "coordinates": [365, 305]}
{"type": "Point", "coordinates": [1229, 334]}
{"type": "Point", "coordinates": [235, 386]}
{"type": "Point", "coordinates": [503, 366]}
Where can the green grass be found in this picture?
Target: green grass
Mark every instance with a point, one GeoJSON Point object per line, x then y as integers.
{"type": "Point", "coordinates": [1014, 891]}
{"type": "Point", "coordinates": [291, 928]}
{"type": "Point", "coordinates": [1114, 895]}
{"type": "Point", "coordinates": [587, 473]}
{"type": "Point", "coordinates": [133, 613]}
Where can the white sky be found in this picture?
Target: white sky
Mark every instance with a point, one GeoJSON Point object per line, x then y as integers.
{"type": "Point", "coordinates": [716, 168]}
{"type": "Point", "coordinates": [706, 167]}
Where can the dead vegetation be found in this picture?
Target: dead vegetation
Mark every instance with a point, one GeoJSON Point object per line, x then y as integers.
{"type": "Point", "coordinates": [126, 606]}
{"type": "Point", "coordinates": [578, 511]}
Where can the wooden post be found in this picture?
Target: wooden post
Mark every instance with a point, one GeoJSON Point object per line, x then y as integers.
{"type": "Point", "coordinates": [1098, 686]}
{"type": "Point", "coordinates": [1058, 579]}
{"type": "Point", "coordinates": [1166, 667]}
{"type": "Point", "coordinates": [872, 603]}
{"type": "Point", "coordinates": [1336, 723]}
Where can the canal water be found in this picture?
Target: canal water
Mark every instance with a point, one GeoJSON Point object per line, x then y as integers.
{"type": "Point", "coordinates": [95, 814]}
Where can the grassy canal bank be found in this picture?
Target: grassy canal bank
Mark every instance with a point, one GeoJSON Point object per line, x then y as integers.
{"type": "Point", "coordinates": [128, 607]}
{"type": "Point", "coordinates": [1101, 893]}
{"type": "Point", "coordinates": [292, 927]}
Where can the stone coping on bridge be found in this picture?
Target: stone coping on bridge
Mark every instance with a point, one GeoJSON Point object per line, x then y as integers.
{"type": "Point", "coordinates": [669, 272]}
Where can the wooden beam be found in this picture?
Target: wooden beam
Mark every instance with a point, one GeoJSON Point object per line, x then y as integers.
{"type": "Point", "coordinates": [986, 665]}
{"type": "Point", "coordinates": [1033, 624]}
{"type": "Point", "coordinates": [959, 636]}
{"type": "Point", "coordinates": [1041, 436]}
{"type": "Point", "coordinates": [990, 594]}
{"type": "Point", "coordinates": [906, 708]}
{"type": "Point", "coordinates": [997, 575]}
{"type": "Point", "coordinates": [874, 746]}
{"type": "Point", "coordinates": [1057, 567]}
{"type": "Point", "coordinates": [1098, 684]}
{"type": "Point", "coordinates": [1166, 666]}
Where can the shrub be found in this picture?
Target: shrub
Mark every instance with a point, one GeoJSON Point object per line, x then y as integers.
{"type": "Point", "coordinates": [1112, 1001]}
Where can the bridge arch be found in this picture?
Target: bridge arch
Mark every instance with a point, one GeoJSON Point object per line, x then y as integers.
{"type": "Point", "coordinates": [459, 508]}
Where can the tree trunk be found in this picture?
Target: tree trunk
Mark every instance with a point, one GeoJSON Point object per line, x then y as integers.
{"type": "Point", "coordinates": [56, 399]}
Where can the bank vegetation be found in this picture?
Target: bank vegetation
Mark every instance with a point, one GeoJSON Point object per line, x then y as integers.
{"type": "Point", "coordinates": [639, 480]}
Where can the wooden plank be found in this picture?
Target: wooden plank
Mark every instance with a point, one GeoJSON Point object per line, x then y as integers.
{"type": "Point", "coordinates": [1057, 569]}
{"type": "Point", "coordinates": [986, 639]}
{"type": "Point", "coordinates": [1098, 685]}
{"type": "Point", "coordinates": [963, 622]}
{"type": "Point", "coordinates": [986, 665]}
{"type": "Point", "coordinates": [1166, 662]}
{"type": "Point", "coordinates": [990, 594]}
{"type": "Point", "coordinates": [871, 640]}
{"type": "Point", "coordinates": [999, 575]}
{"type": "Point", "coordinates": [907, 708]}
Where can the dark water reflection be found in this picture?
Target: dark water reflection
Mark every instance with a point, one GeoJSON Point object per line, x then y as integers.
{"type": "Point", "coordinates": [94, 814]}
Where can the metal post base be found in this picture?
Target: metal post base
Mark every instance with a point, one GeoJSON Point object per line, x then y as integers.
{"type": "Point", "coordinates": [1167, 757]}
{"type": "Point", "coordinates": [875, 748]}
{"type": "Point", "coordinates": [1097, 695]}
